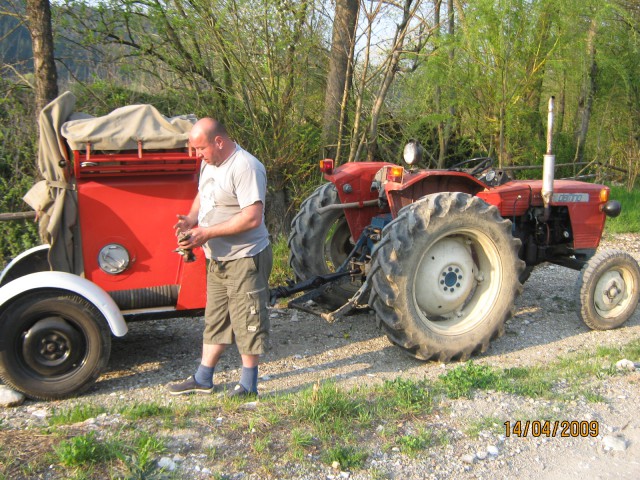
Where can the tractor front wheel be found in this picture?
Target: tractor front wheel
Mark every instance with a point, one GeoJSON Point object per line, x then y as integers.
{"type": "Point", "coordinates": [445, 276]}
{"type": "Point", "coordinates": [608, 289]}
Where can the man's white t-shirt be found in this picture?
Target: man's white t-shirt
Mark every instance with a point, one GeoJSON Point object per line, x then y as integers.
{"type": "Point", "coordinates": [224, 191]}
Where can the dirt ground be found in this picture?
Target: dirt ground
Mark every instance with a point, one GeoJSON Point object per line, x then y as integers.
{"type": "Point", "coordinates": [306, 349]}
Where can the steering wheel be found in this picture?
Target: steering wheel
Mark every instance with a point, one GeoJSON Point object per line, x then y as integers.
{"type": "Point", "coordinates": [480, 164]}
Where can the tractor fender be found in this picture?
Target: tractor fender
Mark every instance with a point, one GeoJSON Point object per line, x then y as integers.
{"type": "Point", "coordinates": [71, 283]}
{"type": "Point", "coordinates": [21, 259]}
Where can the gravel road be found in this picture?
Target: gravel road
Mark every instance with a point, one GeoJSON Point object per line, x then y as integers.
{"type": "Point", "coordinates": [305, 350]}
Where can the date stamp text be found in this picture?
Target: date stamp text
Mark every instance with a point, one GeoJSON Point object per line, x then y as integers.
{"type": "Point", "coordinates": [552, 428]}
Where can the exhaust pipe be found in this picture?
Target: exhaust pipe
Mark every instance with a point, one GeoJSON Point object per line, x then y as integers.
{"type": "Point", "coordinates": [549, 165]}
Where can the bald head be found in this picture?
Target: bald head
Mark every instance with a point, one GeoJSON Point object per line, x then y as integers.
{"type": "Point", "coordinates": [210, 128]}
{"type": "Point", "coordinates": [210, 139]}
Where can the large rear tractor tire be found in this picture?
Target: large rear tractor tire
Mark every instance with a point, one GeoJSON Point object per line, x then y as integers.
{"type": "Point", "coordinates": [320, 242]}
{"type": "Point", "coordinates": [53, 345]}
{"type": "Point", "coordinates": [608, 289]}
{"type": "Point", "coordinates": [445, 277]}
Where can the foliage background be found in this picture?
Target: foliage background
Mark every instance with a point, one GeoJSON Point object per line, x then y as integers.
{"type": "Point", "coordinates": [470, 79]}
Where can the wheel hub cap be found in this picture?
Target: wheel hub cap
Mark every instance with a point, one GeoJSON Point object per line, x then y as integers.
{"type": "Point", "coordinates": [51, 346]}
{"type": "Point", "coordinates": [610, 291]}
{"type": "Point", "coordinates": [445, 277]}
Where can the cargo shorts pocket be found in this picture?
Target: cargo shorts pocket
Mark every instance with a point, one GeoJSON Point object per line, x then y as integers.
{"type": "Point", "coordinates": [257, 311]}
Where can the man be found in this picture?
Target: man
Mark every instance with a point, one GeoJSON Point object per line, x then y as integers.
{"type": "Point", "coordinates": [227, 220]}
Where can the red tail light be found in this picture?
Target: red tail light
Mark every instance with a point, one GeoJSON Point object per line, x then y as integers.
{"type": "Point", "coordinates": [326, 166]}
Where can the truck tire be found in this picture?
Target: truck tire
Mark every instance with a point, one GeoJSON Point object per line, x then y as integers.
{"type": "Point", "coordinates": [445, 276]}
{"type": "Point", "coordinates": [608, 289]}
{"type": "Point", "coordinates": [53, 345]}
{"type": "Point", "coordinates": [320, 243]}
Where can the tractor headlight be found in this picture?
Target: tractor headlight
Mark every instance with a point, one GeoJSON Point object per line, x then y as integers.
{"type": "Point", "coordinates": [412, 153]}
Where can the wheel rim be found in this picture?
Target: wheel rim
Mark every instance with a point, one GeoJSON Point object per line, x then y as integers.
{"type": "Point", "coordinates": [337, 244]}
{"type": "Point", "coordinates": [457, 281]}
{"type": "Point", "coordinates": [612, 292]}
{"type": "Point", "coordinates": [52, 347]}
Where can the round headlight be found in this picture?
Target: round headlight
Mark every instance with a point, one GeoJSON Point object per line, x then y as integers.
{"type": "Point", "coordinates": [412, 152]}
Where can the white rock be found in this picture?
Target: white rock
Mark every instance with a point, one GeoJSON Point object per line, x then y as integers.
{"type": "Point", "coordinates": [40, 413]}
{"type": "Point", "coordinates": [481, 454]}
{"type": "Point", "coordinates": [625, 365]}
{"type": "Point", "coordinates": [249, 405]}
{"type": "Point", "coordinates": [335, 465]}
{"type": "Point", "coordinates": [492, 450]}
{"type": "Point", "coordinates": [616, 443]}
{"type": "Point", "coordinates": [468, 458]}
{"type": "Point", "coordinates": [10, 398]}
{"type": "Point", "coordinates": [167, 464]}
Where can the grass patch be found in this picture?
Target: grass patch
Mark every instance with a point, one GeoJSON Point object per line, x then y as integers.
{"type": "Point", "coordinates": [629, 219]}
{"type": "Point", "coordinates": [347, 457]}
{"type": "Point", "coordinates": [324, 422]}
{"type": "Point", "coordinates": [281, 271]}
{"type": "Point", "coordinates": [145, 410]}
{"type": "Point", "coordinates": [86, 449]}
{"type": "Point", "coordinates": [330, 409]}
{"type": "Point", "coordinates": [464, 379]}
{"type": "Point", "coordinates": [76, 414]}
{"type": "Point", "coordinates": [491, 424]}
{"type": "Point", "coordinates": [404, 397]}
{"type": "Point", "coordinates": [413, 444]}
{"type": "Point", "coordinates": [568, 377]}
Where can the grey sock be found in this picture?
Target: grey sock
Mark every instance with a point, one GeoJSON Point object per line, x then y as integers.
{"type": "Point", "coordinates": [249, 379]}
{"type": "Point", "coordinates": [204, 375]}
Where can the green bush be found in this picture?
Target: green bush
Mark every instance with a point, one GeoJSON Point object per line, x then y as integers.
{"type": "Point", "coordinates": [18, 153]}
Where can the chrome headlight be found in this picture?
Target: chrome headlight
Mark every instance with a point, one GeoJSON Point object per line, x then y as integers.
{"type": "Point", "coordinates": [412, 153]}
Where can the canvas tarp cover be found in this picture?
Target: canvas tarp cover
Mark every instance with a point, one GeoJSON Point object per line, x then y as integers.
{"type": "Point", "coordinates": [55, 198]}
{"type": "Point", "coordinates": [123, 128]}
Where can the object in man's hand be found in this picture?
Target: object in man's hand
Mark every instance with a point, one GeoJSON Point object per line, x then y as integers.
{"type": "Point", "coordinates": [186, 253]}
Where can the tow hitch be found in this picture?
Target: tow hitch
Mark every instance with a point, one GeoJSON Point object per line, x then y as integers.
{"type": "Point", "coordinates": [310, 284]}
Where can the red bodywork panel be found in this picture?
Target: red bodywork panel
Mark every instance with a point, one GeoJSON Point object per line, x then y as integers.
{"type": "Point", "coordinates": [359, 176]}
{"type": "Point", "coordinates": [138, 211]}
{"type": "Point", "coordinates": [513, 199]}
{"type": "Point", "coordinates": [581, 199]}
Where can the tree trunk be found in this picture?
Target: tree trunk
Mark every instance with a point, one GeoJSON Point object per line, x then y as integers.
{"type": "Point", "coordinates": [46, 76]}
{"type": "Point", "coordinates": [344, 26]}
{"type": "Point", "coordinates": [585, 102]}
{"type": "Point", "coordinates": [444, 128]}
{"type": "Point", "coordinates": [389, 74]}
{"type": "Point", "coordinates": [535, 70]}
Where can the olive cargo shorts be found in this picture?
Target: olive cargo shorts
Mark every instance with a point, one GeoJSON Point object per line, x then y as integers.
{"type": "Point", "coordinates": [237, 299]}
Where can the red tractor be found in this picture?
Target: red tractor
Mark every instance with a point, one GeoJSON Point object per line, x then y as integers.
{"type": "Point", "coordinates": [439, 255]}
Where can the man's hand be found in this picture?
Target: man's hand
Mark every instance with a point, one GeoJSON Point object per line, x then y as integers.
{"type": "Point", "coordinates": [183, 224]}
{"type": "Point", "coordinates": [193, 238]}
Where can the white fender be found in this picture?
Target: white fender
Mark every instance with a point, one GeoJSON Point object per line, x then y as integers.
{"type": "Point", "coordinates": [71, 283]}
{"type": "Point", "coordinates": [20, 257]}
